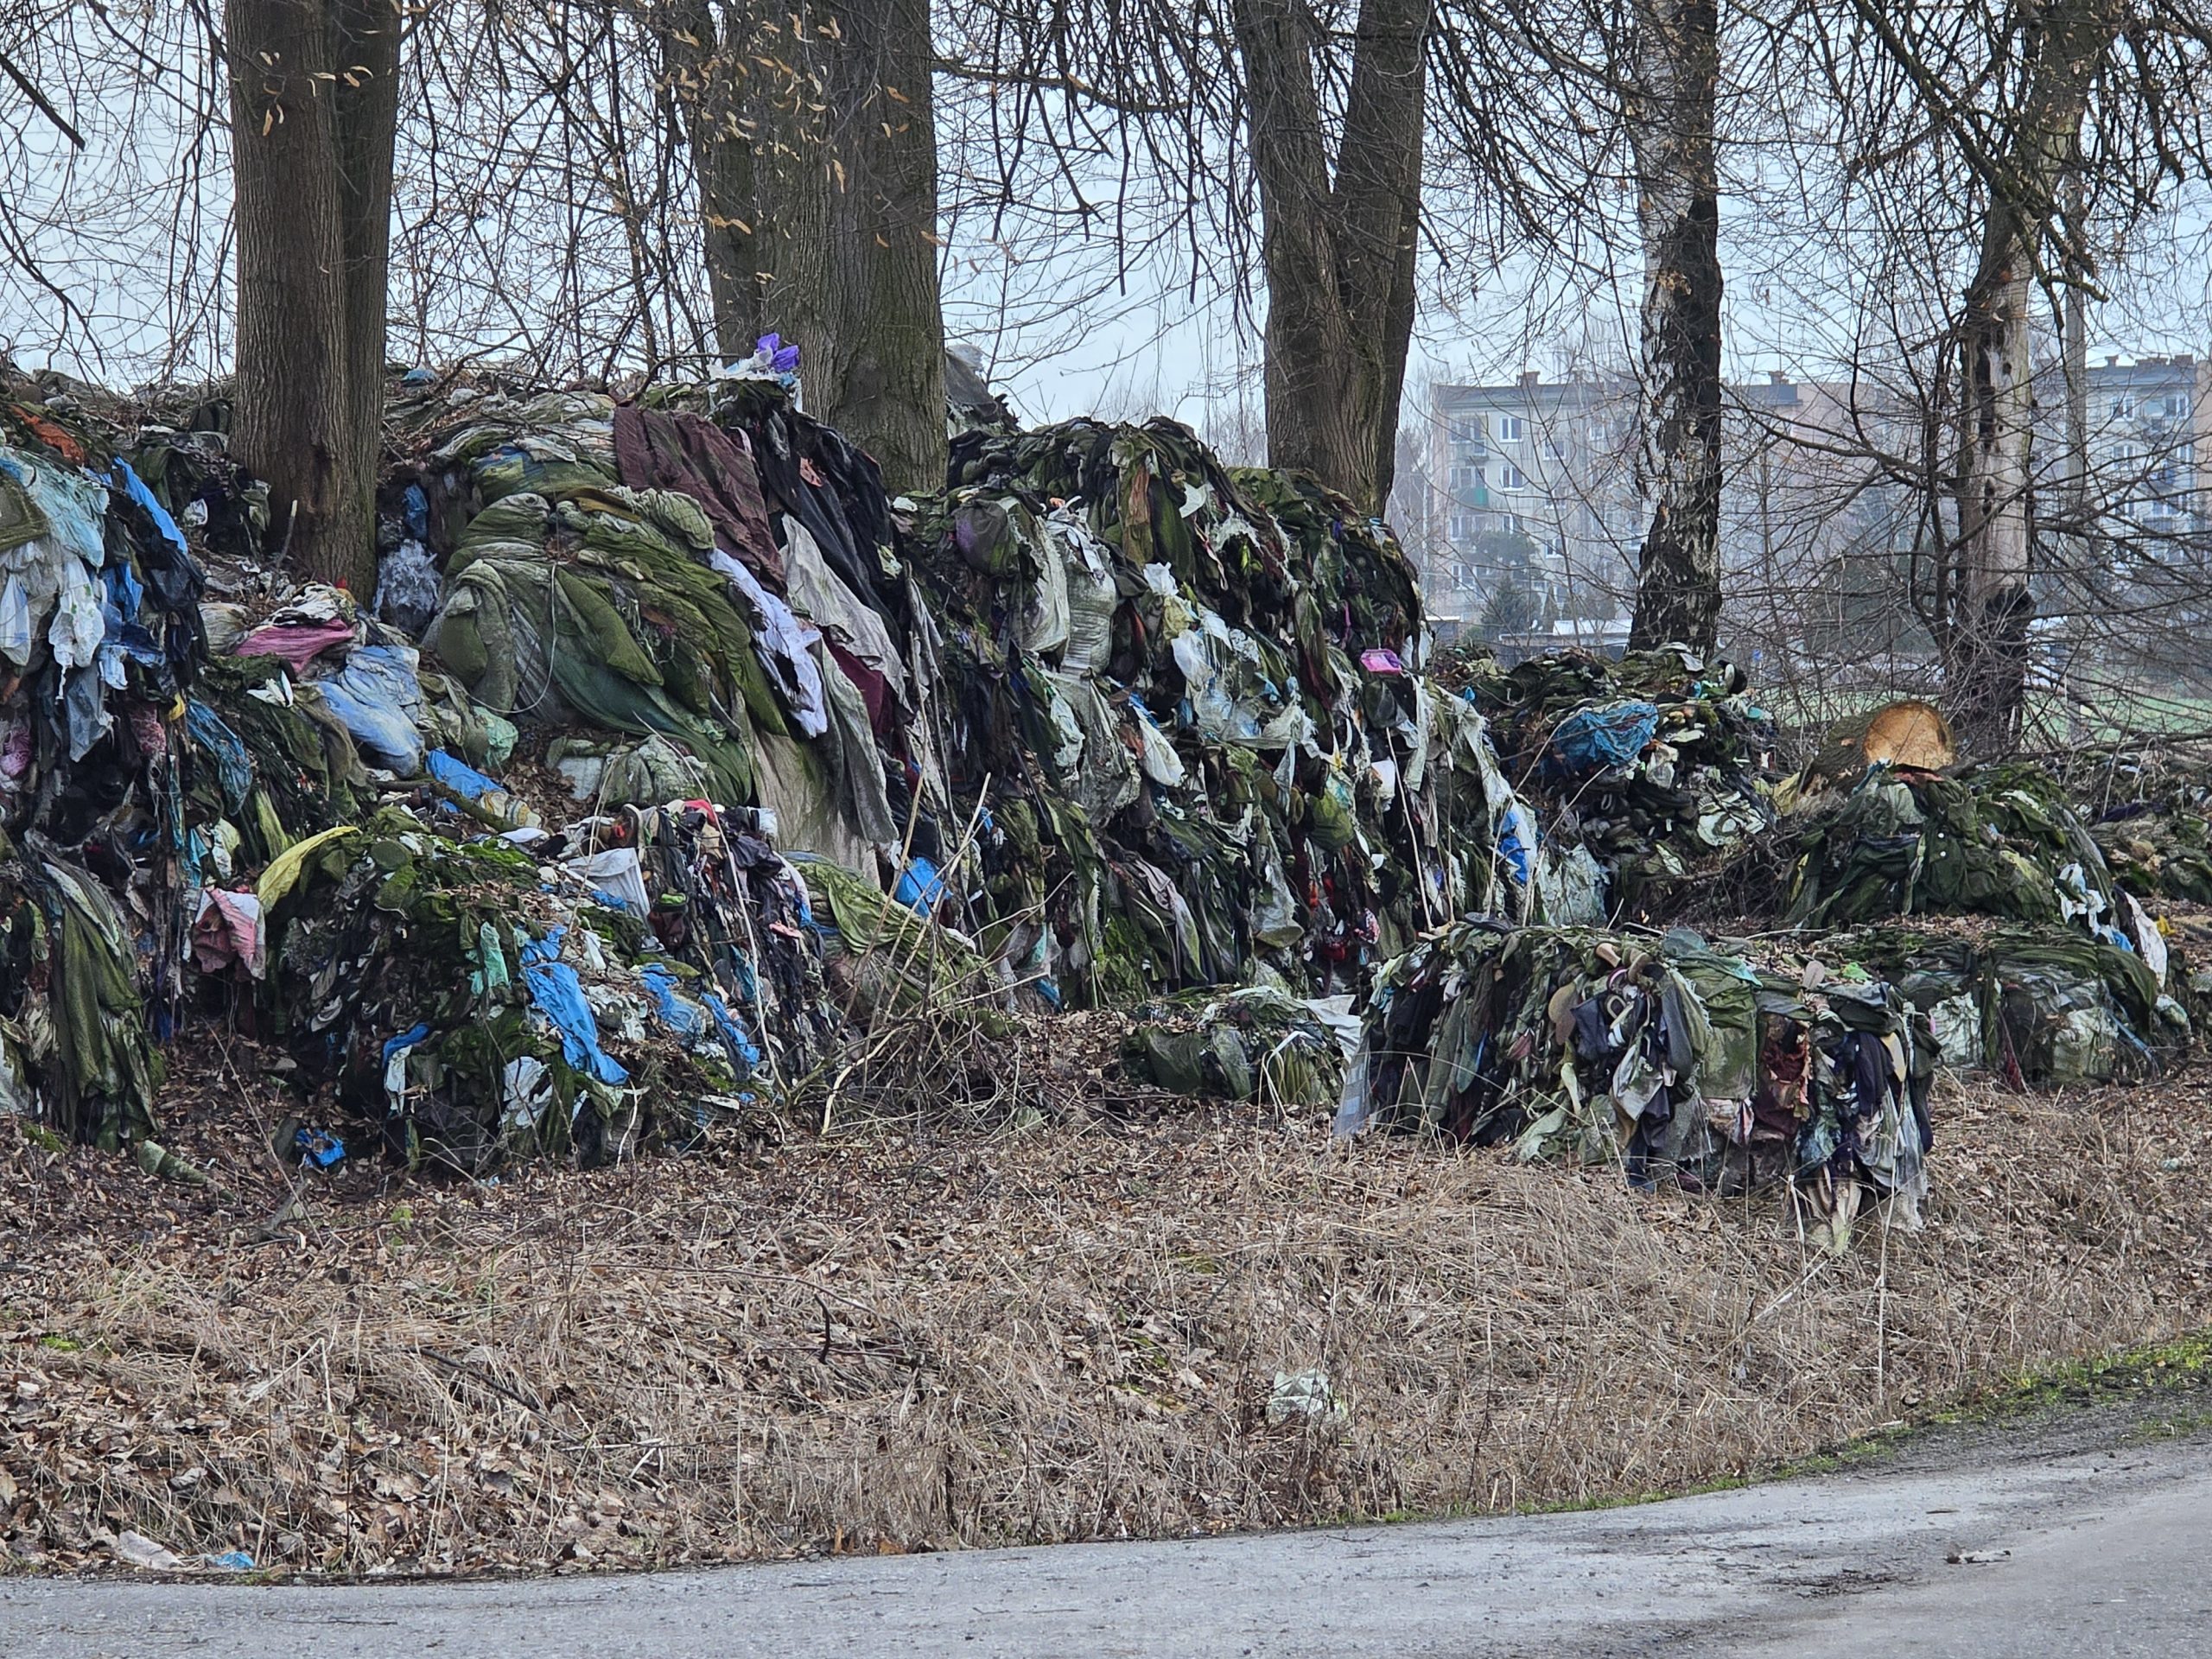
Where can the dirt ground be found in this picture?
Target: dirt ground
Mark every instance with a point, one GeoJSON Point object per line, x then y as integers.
{"type": "Point", "coordinates": [905, 1338]}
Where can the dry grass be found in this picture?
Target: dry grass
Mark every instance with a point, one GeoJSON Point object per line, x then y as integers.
{"type": "Point", "coordinates": [892, 1340]}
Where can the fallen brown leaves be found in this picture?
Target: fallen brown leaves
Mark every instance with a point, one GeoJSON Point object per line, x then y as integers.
{"type": "Point", "coordinates": [902, 1339]}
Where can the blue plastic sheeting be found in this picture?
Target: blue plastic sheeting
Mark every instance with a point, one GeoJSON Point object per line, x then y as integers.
{"type": "Point", "coordinates": [558, 995]}
{"type": "Point", "coordinates": [734, 1037]}
{"type": "Point", "coordinates": [233, 765]}
{"type": "Point", "coordinates": [459, 777]}
{"type": "Point", "coordinates": [416, 508]}
{"type": "Point", "coordinates": [375, 696]}
{"type": "Point", "coordinates": [687, 1018]}
{"type": "Point", "coordinates": [135, 488]}
{"type": "Point", "coordinates": [1516, 840]}
{"type": "Point", "coordinates": [684, 1017]}
{"type": "Point", "coordinates": [1593, 740]}
{"type": "Point", "coordinates": [921, 887]}
{"type": "Point", "coordinates": [407, 1038]}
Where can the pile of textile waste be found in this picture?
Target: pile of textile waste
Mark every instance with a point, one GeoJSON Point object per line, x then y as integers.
{"type": "Point", "coordinates": [268, 811]}
{"type": "Point", "coordinates": [1656, 766]}
{"type": "Point", "coordinates": [1189, 701]}
{"type": "Point", "coordinates": [1121, 720]}
{"type": "Point", "coordinates": [1666, 1057]}
{"type": "Point", "coordinates": [1998, 840]}
{"type": "Point", "coordinates": [617, 986]}
{"type": "Point", "coordinates": [1257, 1044]}
{"type": "Point", "coordinates": [101, 644]}
{"type": "Point", "coordinates": [2158, 843]}
{"type": "Point", "coordinates": [2034, 1005]}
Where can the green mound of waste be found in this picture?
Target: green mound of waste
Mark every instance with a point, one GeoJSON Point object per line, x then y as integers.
{"type": "Point", "coordinates": [2036, 1005]}
{"type": "Point", "coordinates": [1998, 841]}
{"type": "Point", "coordinates": [1659, 765]}
{"type": "Point", "coordinates": [267, 812]}
{"type": "Point", "coordinates": [2159, 845]}
{"type": "Point", "coordinates": [1257, 1044]}
{"type": "Point", "coordinates": [1663, 1057]}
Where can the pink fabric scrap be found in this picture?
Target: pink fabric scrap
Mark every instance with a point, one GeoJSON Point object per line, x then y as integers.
{"type": "Point", "coordinates": [15, 749]}
{"type": "Point", "coordinates": [298, 646]}
{"type": "Point", "coordinates": [228, 930]}
{"type": "Point", "coordinates": [147, 730]}
{"type": "Point", "coordinates": [1380, 661]}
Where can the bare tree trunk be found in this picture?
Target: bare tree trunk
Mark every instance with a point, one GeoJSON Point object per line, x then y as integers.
{"type": "Point", "coordinates": [1340, 254]}
{"type": "Point", "coordinates": [1987, 663]}
{"type": "Point", "coordinates": [2074, 326]}
{"type": "Point", "coordinates": [313, 109]}
{"type": "Point", "coordinates": [1985, 636]}
{"type": "Point", "coordinates": [707, 77]}
{"type": "Point", "coordinates": [855, 262]}
{"type": "Point", "coordinates": [1676, 75]}
{"type": "Point", "coordinates": [365, 97]}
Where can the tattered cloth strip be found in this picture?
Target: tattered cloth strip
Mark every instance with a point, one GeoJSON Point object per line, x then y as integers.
{"type": "Point", "coordinates": [685, 452]}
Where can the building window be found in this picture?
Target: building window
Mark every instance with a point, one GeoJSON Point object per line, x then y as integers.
{"type": "Point", "coordinates": [1509, 431]}
{"type": "Point", "coordinates": [1511, 477]}
{"type": "Point", "coordinates": [1458, 526]}
{"type": "Point", "coordinates": [2178, 405]}
{"type": "Point", "coordinates": [2123, 407]}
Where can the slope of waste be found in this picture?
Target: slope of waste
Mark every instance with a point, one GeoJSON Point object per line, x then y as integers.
{"type": "Point", "coordinates": [1662, 1056]}
{"type": "Point", "coordinates": [226, 809]}
{"type": "Point", "coordinates": [672, 753]}
{"type": "Point", "coordinates": [1167, 721]}
{"type": "Point", "coordinates": [670, 750]}
{"type": "Point", "coordinates": [2154, 827]}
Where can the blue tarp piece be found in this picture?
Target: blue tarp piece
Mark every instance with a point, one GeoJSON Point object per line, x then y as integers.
{"type": "Point", "coordinates": [459, 777]}
{"type": "Point", "coordinates": [135, 488]}
{"type": "Point", "coordinates": [559, 995]}
{"type": "Point", "coordinates": [123, 637]}
{"type": "Point", "coordinates": [687, 1018]}
{"type": "Point", "coordinates": [407, 1038]}
{"type": "Point", "coordinates": [233, 765]}
{"type": "Point", "coordinates": [415, 509]}
{"type": "Point", "coordinates": [735, 1036]}
{"type": "Point", "coordinates": [376, 696]}
{"type": "Point", "coordinates": [1593, 740]}
{"type": "Point", "coordinates": [921, 887]}
{"type": "Point", "coordinates": [1516, 839]}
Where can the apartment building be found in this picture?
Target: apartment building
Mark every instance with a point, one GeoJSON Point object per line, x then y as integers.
{"type": "Point", "coordinates": [1536, 485]}
{"type": "Point", "coordinates": [2147, 420]}
{"type": "Point", "coordinates": [1535, 482]}
{"type": "Point", "coordinates": [1532, 485]}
